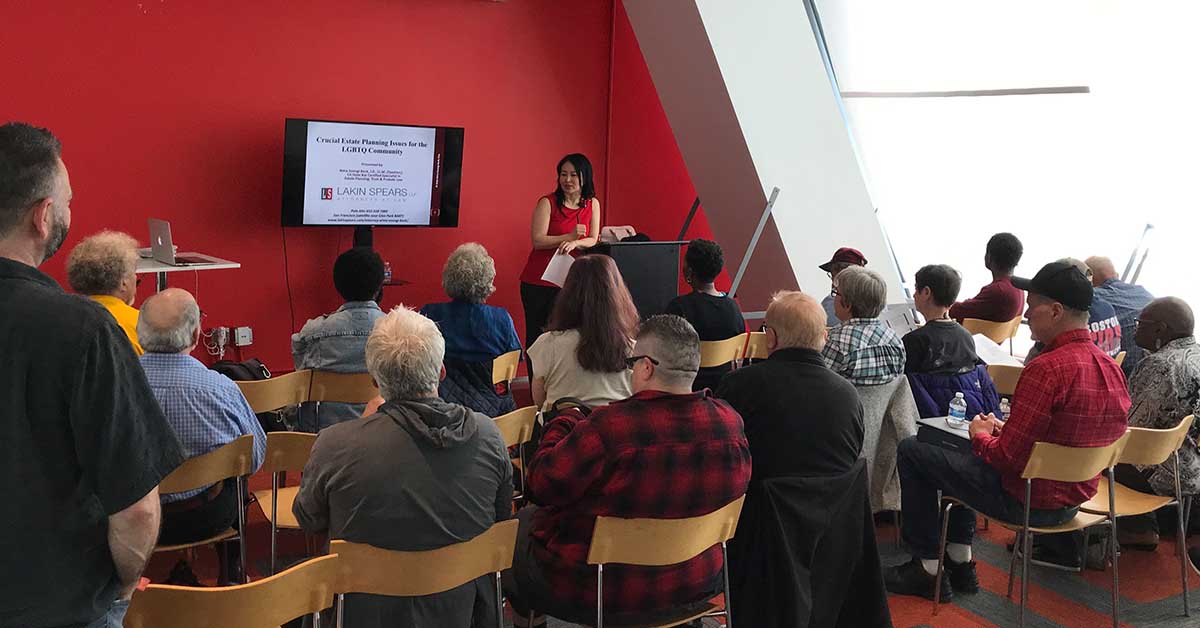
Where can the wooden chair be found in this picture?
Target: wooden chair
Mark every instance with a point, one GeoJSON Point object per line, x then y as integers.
{"type": "Point", "coordinates": [233, 460]}
{"type": "Point", "coordinates": [1048, 462]}
{"type": "Point", "coordinates": [341, 388]}
{"type": "Point", "coordinates": [1005, 377]}
{"type": "Point", "coordinates": [718, 352]}
{"type": "Point", "coordinates": [1149, 447]}
{"type": "Point", "coordinates": [662, 542]}
{"type": "Point", "coordinates": [504, 367]}
{"type": "Point", "coordinates": [277, 392]}
{"type": "Point", "coordinates": [517, 429]}
{"type": "Point", "coordinates": [368, 569]}
{"type": "Point", "coordinates": [756, 347]}
{"type": "Point", "coordinates": [1120, 358]}
{"type": "Point", "coordinates": [305, 589]}
{"type": "Point", "coordinates": [286, 451]}
{"type": "Point", "coordinates": [997, 332]}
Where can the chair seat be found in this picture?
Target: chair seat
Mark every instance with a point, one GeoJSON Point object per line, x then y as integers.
{"type": "Point", "coordinates": [674, 621]}
{"type": "Point", "coordinates": [287, 495]}
{"type": "Point", "coordinates": [226, 535]}
{"type": "Point", "coordinates": [1129, 501]}
{"type": "Point", "coordinates": [1082, 520]}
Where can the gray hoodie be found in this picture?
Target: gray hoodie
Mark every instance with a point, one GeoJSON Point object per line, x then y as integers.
{"type": "Point", "coordinates": [416, 475]}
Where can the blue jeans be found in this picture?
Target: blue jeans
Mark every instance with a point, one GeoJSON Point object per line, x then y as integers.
{"type": "Point", "coordinates": [114, 617]}
{"type": "Point", "coordinates": [926, 468]}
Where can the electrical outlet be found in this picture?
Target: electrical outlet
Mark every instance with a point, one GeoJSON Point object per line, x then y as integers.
{"type": "Point", "coordinates": [243, 336]}
{"type": "Point", "coordinates": [220, 336]}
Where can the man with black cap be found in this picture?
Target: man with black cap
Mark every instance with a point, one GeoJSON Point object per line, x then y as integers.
{"type": "Point", "coordinates": [842, 259]}
{"type": "Point", "coordinates": [1072, 395]}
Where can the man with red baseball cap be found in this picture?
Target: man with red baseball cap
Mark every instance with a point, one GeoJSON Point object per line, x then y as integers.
{"type": "Point", "coordinates": [842, 259]}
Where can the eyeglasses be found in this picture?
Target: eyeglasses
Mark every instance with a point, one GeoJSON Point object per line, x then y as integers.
{"type": "Point", "coordinates": [633, 360]}
{"type": "Point", "coordinates": [834, 291]}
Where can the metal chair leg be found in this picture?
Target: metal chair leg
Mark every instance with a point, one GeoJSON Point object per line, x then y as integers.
{"type": "Point", "coordinates": [499, 603]}
{"type": "Point", "coordinates": [1112, 530]}
{"type": "Point", "coordinates": [937, 582]}
{"type": "Point", "coordinates": [728, 595]}
{"type": "Point", "coordinates": [1026, 550]}
{"type": "Point", "coordinates": [241, 499]}
{"type": "Point", "coordinates": [341, 609]}
{"type": "Point", "coordinates": [1181, 543]}
{"type": "Point", "coordinates": [599, 596]}
{"type": "Point", "coordinates": [274, 515]}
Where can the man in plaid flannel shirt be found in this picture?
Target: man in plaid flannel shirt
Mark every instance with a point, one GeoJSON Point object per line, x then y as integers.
{"type": "Point", "coordinates": [665, 452]}
{"type": "Point", "coordinates": [1071, 394]}
{"type": "Point", "coordinates": [863, 349]}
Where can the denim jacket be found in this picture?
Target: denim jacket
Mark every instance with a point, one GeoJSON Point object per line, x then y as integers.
{"type": "Point", "coordinates": [336, 342]}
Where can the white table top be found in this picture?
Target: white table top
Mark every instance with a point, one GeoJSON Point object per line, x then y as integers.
{"type": "Point", "coordinates": [151, 265]}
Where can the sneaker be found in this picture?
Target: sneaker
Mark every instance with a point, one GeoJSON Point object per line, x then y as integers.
{"type": "Point", "coordinates": [962, 576]}
{"type": "Point", "coordinates": [182, 575]}
{"type": "Point", "coordinates": [912, 579]}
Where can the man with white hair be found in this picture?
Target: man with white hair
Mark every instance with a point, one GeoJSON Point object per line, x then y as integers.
{"type": "Point", "coordinates": [418, 474]}
{"type": "Point", "coordinates": [863, 349]}
{"type": "Point", "coordinates": [103, 267]}
{"type": "Point", "coordinates": [83, 442]}
{"type": "Point", "coordinates": [207, 410]}
{"type": "Point", "coordinates": [1128, 299]}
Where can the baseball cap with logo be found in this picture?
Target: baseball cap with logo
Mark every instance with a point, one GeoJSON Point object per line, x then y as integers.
{"type": "Point", "coordinates": [844, 255]}
{"type": "Point", "coordinates": [1060, 281]}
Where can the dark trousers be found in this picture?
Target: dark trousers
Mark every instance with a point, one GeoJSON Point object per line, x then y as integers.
{"type": "Point", "coordinates": [207, 520]}
{"type": "Point", "coordinates": [538, 302]}
{"type": "Point", "coordinates": [1129, 476]}
{"type": "Point", "coordinates": [926, 468]}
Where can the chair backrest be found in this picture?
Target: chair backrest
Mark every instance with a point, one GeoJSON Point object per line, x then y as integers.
{"type": "Point", "coordinates": [270, 602]}
{"type": "Point", "coordinates": [756, 348]}
{"type": "Point", "coordinates": [1005, 377]}
{"type": "Point", "coordinates": [1048, 461]}
{"type": "Point", "coordinates": [997, 332]}
{"type": "Point", "coordinates": [369, 569]}
{"type": "Point", "coordinates": [342, 387]}
{"type": "Point", "coordinates": [517, 426]}
{"type": "Point", "coordinates": [1120, 358]}
{"type": "Point", "coordinates": [1148, 447]}
{"type": "Point", "coordinates": [231, 460]}
{"type": "Point", "coordinates": [660, 542]}
{"type": "Point", "coordinates": [504, 367]}
{"type": "Point", "coordinates": [288, 451]}
{"type": "Point", "coordinates": [265, 395]}
{"type": "Point", "coordinates": [718, 352]}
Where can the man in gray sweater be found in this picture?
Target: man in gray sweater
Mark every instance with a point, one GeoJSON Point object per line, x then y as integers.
{"type": "Point", "coordinates": [419, 474]}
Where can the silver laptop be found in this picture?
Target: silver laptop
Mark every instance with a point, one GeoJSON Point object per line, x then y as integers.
{"type": "Point", "coordinates": [162, 250]}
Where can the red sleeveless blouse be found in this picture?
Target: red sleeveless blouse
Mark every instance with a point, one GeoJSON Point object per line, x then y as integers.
{"type": "Point", "coordinates": [562, 221]}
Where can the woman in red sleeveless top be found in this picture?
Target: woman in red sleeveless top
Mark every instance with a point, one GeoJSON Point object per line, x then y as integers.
{"type": "Point", "coordinates": [567, 221]}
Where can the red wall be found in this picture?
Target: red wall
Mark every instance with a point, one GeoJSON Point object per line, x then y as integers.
{"type": "Point", "coordinates": [175, 110]}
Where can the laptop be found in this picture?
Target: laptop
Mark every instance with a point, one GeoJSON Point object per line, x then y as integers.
{"type": "Point", "coordinates": [162, 250]}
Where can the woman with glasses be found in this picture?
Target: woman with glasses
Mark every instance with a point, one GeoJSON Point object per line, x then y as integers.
{"type": "Point", "coordinates": [583, 352]}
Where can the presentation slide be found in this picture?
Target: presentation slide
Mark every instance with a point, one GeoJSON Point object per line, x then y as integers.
{"type": "Point", "coordinates": [369, 174]}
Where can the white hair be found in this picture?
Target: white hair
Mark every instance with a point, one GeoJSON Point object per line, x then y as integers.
{"type": "Point", "coordinates": [469, 273]}
{"type": "Point", "coordinates": [404, 355]}
{"type": "Point", "coordinates": [178, 334]}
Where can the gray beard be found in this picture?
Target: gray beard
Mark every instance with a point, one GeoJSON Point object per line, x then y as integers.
{"type": "Point", "coordinates": [58, 235]}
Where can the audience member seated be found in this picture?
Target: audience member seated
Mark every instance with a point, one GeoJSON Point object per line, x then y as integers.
{"type": "Point", "coordinates": [103, 267]}
{"type": "Point", "coordinates": [1103, 323]}
{"type": "Point", "coordinates": [207, 410]}
{"type": "Point", "coordinates": [83, 441]}
{"type": "Point", "coordinates": [862, 348]}
{"type": "Point", "coordinates": [666, 452]}
{"type": "Point", "coordinates": [1073, 395]}
{"type": "Point", "coordinates": [1128, 300]}
{"type": "Point", "coordinates": [420, 474]}
{"type": "Point", "coordinates": [336, 342]}
{"type": "Point", "coordinates": [804, 425]}
{"type": "Point", "coordinates": [998, 301]}
{"type": "Point", "coordinates": [1164, 389]}
{"type": "Point", "coordinates": [582, 352]}
{"type": "Point", "coordinates": [475, 333]}
{"type": "Point", "coordinates": [842, 259]}
{"type": "Point", "coordinates": [712, 313]}
{"type": "Point", "coordinates": [940, 357]}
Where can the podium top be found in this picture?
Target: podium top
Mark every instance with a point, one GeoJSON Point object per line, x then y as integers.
{"type": "Point", "coordinates": [150, 265]}
{"type": "Point", "coordinates": [649, 242]}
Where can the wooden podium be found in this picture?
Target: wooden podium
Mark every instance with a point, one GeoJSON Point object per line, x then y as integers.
{"type": "Point", "coordinates": [650, 270]}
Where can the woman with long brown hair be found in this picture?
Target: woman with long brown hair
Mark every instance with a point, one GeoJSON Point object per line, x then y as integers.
{"type": "Point", "coordinates": [582, 354]}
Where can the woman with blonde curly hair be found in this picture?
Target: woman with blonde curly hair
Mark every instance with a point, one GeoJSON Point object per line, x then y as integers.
{"type": "Point", "coordinates": [103, 267]}
{"type": "Point", "coordinates": [475, 332]}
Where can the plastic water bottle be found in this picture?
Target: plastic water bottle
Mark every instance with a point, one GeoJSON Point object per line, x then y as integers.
{"type": "Point", "coordinates": [1005, 407]}
{"type": "Point", "coordinates": [958, 411]}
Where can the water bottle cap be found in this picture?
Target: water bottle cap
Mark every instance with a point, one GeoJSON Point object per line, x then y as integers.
{"type": "Point", "coordinates": [958, 395]}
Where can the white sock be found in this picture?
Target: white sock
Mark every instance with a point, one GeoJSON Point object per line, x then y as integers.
{"type": "Point", "coordinates": [930, 566]}
{"type": "Point", "coordinates": [959, 552]}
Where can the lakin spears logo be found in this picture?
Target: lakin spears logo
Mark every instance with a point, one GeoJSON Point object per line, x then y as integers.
{"type": "Point", "coordinates": [327, 194]}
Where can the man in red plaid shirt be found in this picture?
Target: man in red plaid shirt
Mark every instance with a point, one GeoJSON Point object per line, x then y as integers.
{"type": "Point", "coordinates": [1072, 394]}
{"type": "Point", "coordinates": [665, 452]}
